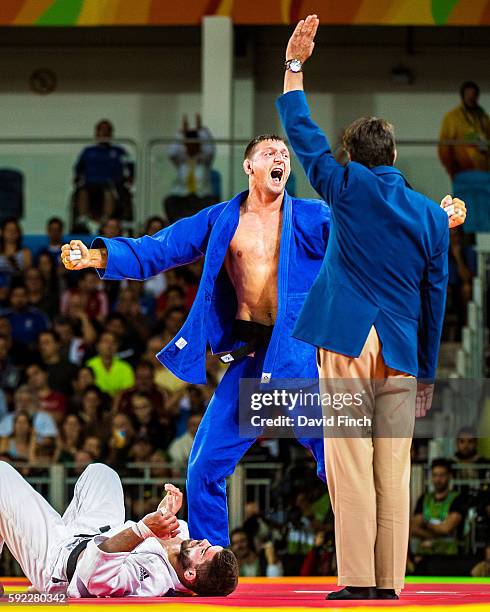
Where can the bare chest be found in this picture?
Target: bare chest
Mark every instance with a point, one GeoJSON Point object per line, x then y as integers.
{"type": "Point", "coordinates": [257, 238]}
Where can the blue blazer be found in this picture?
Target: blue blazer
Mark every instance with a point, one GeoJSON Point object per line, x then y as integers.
{"type": "Point", "coordinates": [305, 230]}
{"type": "Point", "coordinates": [387, 258]}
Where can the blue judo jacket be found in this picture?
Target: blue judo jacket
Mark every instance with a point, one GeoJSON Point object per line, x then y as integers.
{"type": "Point", "coordinates": [304, 237]}
{"type": "Point", "coordinates": [386, 262]}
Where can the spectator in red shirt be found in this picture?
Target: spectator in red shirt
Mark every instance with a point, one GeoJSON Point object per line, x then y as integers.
{"type": "Point", "coordinates": [144, 383]}
{"type": "Point", "coordinates": [173, 296]}
{"type": "Point", "coordinates": [50, 401]}
{"type": "Point", "coordinates": [94, 300]}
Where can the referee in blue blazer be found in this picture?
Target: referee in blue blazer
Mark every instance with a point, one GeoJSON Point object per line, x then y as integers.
{"type": "Point", "coordinates": [375, 312]}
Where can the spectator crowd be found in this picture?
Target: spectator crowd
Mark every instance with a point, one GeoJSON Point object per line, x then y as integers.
{"type": "Point", "coordinates": [80, 383]}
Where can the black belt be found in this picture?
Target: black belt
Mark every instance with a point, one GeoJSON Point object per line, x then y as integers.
{"type": "Point", "coordinates": [71, 564]}
{"type": "Point", "coordinates": [255, 335]}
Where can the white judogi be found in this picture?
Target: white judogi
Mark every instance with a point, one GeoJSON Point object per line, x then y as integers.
{"type": "Point", "coordinates": [144, 572]}
{"type": "Point", "coordinates": [41, 540]}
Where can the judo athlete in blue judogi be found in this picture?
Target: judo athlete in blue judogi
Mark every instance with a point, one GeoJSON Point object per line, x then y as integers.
{"type": "Point", "coordinates": [262, 251]}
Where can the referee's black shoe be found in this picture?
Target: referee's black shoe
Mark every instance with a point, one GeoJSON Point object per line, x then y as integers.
{"type": "Point", "coordinates": [386, 594]}
{"type": "Point", "coordinates": [354, 593]}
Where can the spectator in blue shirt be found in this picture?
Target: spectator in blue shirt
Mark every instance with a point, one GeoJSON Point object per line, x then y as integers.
{"type": "Point", "coordinates": [26, 321]}
{"type": "Point", "coordinates": [103, 175]}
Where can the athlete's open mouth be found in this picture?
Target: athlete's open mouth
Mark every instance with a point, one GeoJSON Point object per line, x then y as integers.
{"type": "Point", "coordinates": [277, 174]}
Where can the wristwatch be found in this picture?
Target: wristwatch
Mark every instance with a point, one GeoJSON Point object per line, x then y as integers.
{"type": "Point", "coordinates": [294, 65]}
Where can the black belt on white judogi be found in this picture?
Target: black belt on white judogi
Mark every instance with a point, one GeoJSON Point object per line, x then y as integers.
{"type": "Point", "coordinates": [71, 563]}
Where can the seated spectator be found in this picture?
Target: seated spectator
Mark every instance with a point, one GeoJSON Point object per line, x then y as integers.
{"type": "Point", "coordinates": [5, 281]}
{"type": "Point", "coordinates": [153, 225]}
{"type": "Point", "coordinates": [300, 532]}
{"type": "Point", "coordinates": [60, 371]}
{"type": "Point", "coordinates": [18, 446]}
{"type": "Point", "coordinates": [144, 383]}
{"type": "Point", "coordinates": [172, 320]}
{"type": "Point", "coordinates": [173, 297]}
{"type": "Point", "coordinates": [81, 459]}
{"type": "Point", "coordinates": [103, 176]}
{"type": "Point", "coordinates": [38, 294]}
{"type": "Point", "coordinates": [9, 372]}
{"type": "Point", "coordinates": [145, 421]}
{"type": "Point", "coordinates": [438, 515]}
{"type": "Point", "coordinates": [50, 401]}
{"type": "Point", "coordinates": [142, 450]}
{"type": "Point", "coordinates": [129, 344]}
{"type": "Point", "coordinates": [83, 326]}
{"type": "Point", "coordinates": [193, 155]}
{"type": "Point", "coordinates": [191, 399]}
{"type": "Point", "coordinates": [72, 347]}
{"type": "Point", "coordinates": [320, 560]}
{"type": "Point", "coordinates": [111, 228]}
{"type": "Point", "coordinates": [51, 276]}
{"type": "Point", "coordinates": [482, 569]}
{"type": "Point", "coordinates": [43, 455]}
{"type": "Point", "coordinates": [146, 301]}
{"type": "Point", "coordinates": [26, 322]}
{"type": "Point", "coordinates": [93, 297]}
{"type": "Point", "coordinates": [466, 452]}
{"type": "Point", "coordinates": [180, 449]}
{"type": "Point", "coordinates": [121, 440]}
{"type": "Point", "coordinates": [111, 373]}
{"type": "Point", "coordinates": [93, 446]}
{"type": "Point", "coordinates": [186, 277]}
{"type": "Point", "coordinates": [163, 377]}
{"type": "Point", "coordinates": [14, 259]}
{"type": "Point", "coordinates": [70, 439]}
{"type": "Point", "coordinates": [251, 563]}
{"type": "Point", "coordinates": [130, 305]}
{"type": "Point", "coordinates": [155, 285]}
{"type": "Point", "coordinates": [95, 412]}
{"type": "Point", "coordinates": [54, 231]}
{"type": "Point", "coordinates": [462, 269]}
{"type": "Point", "coordinates": [25, 401]}
{"type": "Point", "coordinates": [84, 378]}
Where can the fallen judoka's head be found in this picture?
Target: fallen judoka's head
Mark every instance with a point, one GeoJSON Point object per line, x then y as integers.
{"type": "Point", "coordinates": [207, 570]}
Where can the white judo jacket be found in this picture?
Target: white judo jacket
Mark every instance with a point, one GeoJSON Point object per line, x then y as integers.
{"type": "Point", "coordinates": [143, 572]}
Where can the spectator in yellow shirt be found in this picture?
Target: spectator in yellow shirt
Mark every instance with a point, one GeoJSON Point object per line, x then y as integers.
{"type": "Point", "coordinates": [467, 122]}
{"type": "Point", "coordinates": [111, 373]}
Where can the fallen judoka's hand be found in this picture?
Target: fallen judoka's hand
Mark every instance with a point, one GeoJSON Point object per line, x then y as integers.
{"type": "Point", "coordinates": [157, 525]}
{"type": "Point", "coordinates": [172, 502]}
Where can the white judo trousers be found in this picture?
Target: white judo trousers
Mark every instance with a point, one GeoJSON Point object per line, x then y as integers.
{"type": "Point", "coordinates": [40, 538]}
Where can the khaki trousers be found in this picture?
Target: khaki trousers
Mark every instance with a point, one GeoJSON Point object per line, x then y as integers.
{"type": "Point", "coordinates": [368, 475]}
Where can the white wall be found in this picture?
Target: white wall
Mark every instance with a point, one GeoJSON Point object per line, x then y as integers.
{"type": "Point", "coordinates": [143, 91]}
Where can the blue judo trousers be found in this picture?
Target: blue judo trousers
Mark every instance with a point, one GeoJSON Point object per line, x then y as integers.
{"type": "Point", "coordinates": [218, 445]}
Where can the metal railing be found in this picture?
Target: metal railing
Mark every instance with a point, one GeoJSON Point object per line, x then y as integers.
{"type": "Point", "coordinates": [48, 173]}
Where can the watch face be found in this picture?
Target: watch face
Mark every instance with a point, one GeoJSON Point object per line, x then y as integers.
{"type": "Point", "coordinates": [295, 65]}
